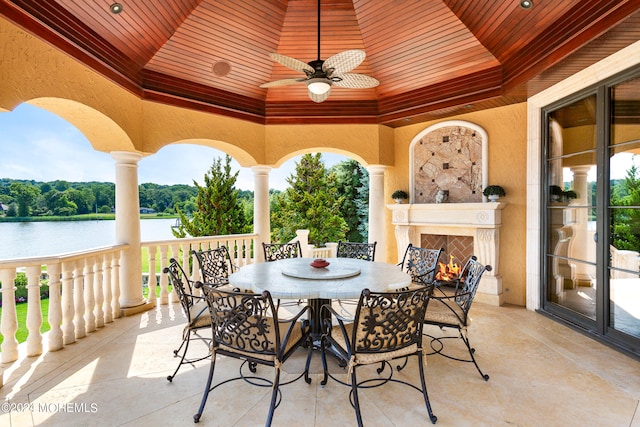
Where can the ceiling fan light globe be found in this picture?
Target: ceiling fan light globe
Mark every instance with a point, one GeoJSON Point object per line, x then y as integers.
{"type": "Point", "coordinates": [319, 86]}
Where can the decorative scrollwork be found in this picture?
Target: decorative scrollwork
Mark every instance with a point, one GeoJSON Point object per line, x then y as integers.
{"type": "Point", "coordinates": [242, 321]}
{"type": "Point", "coordinates": [389, 321]}
{"type": "Point", "coordinates": [278, 251]}
{"type": "Point", "coordinates": [363, 251]}
{"type": "Point", "coordinates": [421, 263]}
{"type": "Point", "coordinates": [215, 265]}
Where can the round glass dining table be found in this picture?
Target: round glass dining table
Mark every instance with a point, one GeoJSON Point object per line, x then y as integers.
{"type": "Point", "coordinates": [342, 278]}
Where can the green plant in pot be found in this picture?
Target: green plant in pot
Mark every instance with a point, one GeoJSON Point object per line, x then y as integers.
{"type": "Point", "coordinates": [494, 192]}
{"type": "Point", "coordinates": [569, 195]}
{"type": "Point", "coordinates": [555, 191]}
{"type": "Point", "coordinates": [399, 196]}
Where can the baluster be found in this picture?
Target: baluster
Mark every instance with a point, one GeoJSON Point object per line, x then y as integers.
{"type": "Point", "coordinates": [89, 296]}
{"type": "Point", "coordinates": [185, 247]}
{"type": "Point", "coordinates": [164, 279]}
{"type": "Point", "coordinates": [34, 311]}
{"type": "Point", "coordinates": [99, 291]}
{"type": "Point", "coordinates": [78, 299]}
{"type": "Point", "coordinates": [68, 329]}
{"type": "Point", "coordinates": [115, 285]}
{"type": "Point", "coordinates": [152, 282]}
{"type": "Point", "coordinates": [106, 286]}
{"type": "Point", "coordinates": [9, 320]}
{"type": "Point", "coordinates": [175, 253]}
{"type": "Point", "coordinates": [55, 308]}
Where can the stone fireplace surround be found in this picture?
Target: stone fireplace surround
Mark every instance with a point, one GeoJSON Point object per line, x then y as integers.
{"type": "Point", "coordinates": [482, 221]}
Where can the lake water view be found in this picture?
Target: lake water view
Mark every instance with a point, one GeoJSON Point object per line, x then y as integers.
{"type": "Point", "coordinates": [31, 239]}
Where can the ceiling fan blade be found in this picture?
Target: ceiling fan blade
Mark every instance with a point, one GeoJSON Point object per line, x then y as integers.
{"type": "Point", "coordinates": [356, 81]}
{"type": "Point", "coordinates": [319, 98]}
{"type": "Point", "coordinates": [294, 64]}
{"type": "Point", "coordinates": [344, 62]}
{"type": "Point", "coordinates": [283, 82]}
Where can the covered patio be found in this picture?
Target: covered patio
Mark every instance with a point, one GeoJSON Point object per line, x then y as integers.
{"type": "Point", "coordinates": [113, 350]}
{"type": "Point", "coordinates": [542, 373]}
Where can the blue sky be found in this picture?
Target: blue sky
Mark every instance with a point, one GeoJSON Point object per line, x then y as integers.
{"type": "Point", "coordinates": [36, 144]}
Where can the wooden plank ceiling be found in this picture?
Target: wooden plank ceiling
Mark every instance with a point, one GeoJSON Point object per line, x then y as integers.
{"type": "Point", "coordinates": [432, 57]}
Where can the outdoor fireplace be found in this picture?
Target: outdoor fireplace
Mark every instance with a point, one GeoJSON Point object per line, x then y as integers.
{"type": "Point", "coordinates": [478, 223]}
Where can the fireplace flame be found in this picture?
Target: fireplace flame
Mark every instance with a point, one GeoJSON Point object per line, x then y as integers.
{"type": "Point", "coordinates": [448, 272]}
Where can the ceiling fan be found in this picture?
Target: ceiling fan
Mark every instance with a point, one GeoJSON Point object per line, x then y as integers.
{"type": "Point", "coordinates": [321, 75]}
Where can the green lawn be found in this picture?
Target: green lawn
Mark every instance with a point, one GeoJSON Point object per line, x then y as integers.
{"type": "Point", "coordinates": [21, 312]}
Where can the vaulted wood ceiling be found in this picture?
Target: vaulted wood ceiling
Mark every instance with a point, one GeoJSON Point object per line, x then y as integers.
{"type": "Point", "coordinates": [433, 58]}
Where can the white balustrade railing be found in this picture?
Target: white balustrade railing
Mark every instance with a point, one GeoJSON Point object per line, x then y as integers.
{"type": "Point", "coordinates": [240, 247]}
{"type": "Point", "coordinates": [84, 288]}
{"type": "Point", "coordinates": [83, 293]}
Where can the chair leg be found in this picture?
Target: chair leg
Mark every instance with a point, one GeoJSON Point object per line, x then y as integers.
{"type": "Point", "coordinates": [432, 417]}
{"type": "Point", "coordinates": [472, 350]}
{"type": "Point", "coordinates": [185, 344]}
{"type": "Point", "coordinates": [274, 396]}
{"type": "Point", "coordinates": [308, 364]}
{"type": "Point", "coordinates": [205, 395]}
{"type": "Point", "coordinates": [323, 353]}
{"type": "Point", "coordinates": [356, 401]}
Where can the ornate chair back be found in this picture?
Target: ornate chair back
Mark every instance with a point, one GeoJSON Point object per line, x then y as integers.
{"type": "Point", "coordinates": [183, 286]}
{"type": "Point", "coordinates": [278, 251]}
{"type": "Point", "coordinates": [469, 281]}
{"type": "Point", "coordinates": [389, 322]}
{"type": "Point", "coordinates": [364, 251]}
{"type": "Point", "coordinates": [215, 265]}
{"type": "Point", "coordinates": [421, 264]}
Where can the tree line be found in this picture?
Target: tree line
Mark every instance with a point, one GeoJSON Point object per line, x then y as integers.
{"type": "Point", "coordinates": [29, 198]}
{"type": "Point", "coordinates": [332, 203]}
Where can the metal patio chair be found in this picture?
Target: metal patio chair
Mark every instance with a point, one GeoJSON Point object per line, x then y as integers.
{"type": "Point", "coordinates": [246, 326]}
{"type": "Point", "coordinates": [421, 264]}
{"type": "Point", "coordinates": [194, 307]}
{"type": "Point", "coordinates": [215, 265]}
{"type": "Point", "coordinates": [387, 326]}
{"type": "Point", "coordinates": [452, 311]}
{"type": "Point", "coordinates": [363, 251]}
{"type": "Point", "coordinates": [278, 251]}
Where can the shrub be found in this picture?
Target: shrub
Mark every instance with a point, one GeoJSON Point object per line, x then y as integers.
{"type": "Point", "coordinates": [22, 292]}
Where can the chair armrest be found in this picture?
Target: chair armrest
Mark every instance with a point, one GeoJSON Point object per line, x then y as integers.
{"type": "Point", "coordinates": [293, 322]}
{"type": "Point", "coordinates": [327, 326]}
{"type": "Point", "coordinates": [449, 301]}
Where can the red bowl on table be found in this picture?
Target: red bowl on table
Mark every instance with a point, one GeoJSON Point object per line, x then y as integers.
{"type": "Point", "coordinates": [319, 263]}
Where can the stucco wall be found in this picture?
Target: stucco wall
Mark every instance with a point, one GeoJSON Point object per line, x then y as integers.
{"type": "Point", "coordinates": [507, 132]}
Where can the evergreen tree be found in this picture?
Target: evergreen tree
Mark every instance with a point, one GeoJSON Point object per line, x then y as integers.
{"type": "Point", "coordinates": [352, 183]}
{"type": "Point", "coordinates": [218, 211]}
{"type": "Point", "coordinates": [311, 202]}
{"type": "Point", "coordinates": [625, 223]}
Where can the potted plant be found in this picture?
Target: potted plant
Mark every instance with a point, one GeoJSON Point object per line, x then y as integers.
{"type": "Point", "coordinates": [399, 196]}
{"type": "Point", "coordinates": [569, 195]}
{"type": "Point", "coordinates": [556, 192]}
{"type": "Point", "coordinates": [494, 192]}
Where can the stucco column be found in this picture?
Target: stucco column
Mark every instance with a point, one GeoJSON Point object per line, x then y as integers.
{"type": "Point", "coordinates": [261, 212]}
{"type": "Point", "coordinates": [376, 210]}
{"type": "Point", "coordinates": [128, 227]}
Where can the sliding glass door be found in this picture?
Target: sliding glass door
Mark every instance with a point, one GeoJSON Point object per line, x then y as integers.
{"type": "Point", "coordinates": [591, 217]}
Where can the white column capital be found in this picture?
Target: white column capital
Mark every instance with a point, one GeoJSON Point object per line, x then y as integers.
{"type": "Point", "coordinates": [126, 157]}
{"type": "Point", "coordinates": [261, 170]}
{"type": "Point", "coordinates": [376, 169]}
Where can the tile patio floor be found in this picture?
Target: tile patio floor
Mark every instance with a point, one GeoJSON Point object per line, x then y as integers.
{"type": "Point", "coordinates": [542, 374]}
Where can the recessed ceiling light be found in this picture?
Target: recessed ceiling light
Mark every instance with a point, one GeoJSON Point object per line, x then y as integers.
{"type": "Point", "coordinates": [526, 4]}
{"type": "Point", "coordinates": [116, 8]}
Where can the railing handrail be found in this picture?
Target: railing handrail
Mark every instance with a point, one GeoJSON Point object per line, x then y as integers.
{"type": "Point", "coordinates": [68, 256]}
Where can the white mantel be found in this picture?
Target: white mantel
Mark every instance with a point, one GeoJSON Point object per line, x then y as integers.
{"type": "Point", "coordinates": [482, 221]}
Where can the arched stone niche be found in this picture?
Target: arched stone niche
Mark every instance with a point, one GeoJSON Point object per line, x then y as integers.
{"type": "Point", "coordinates": [450, 156]}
